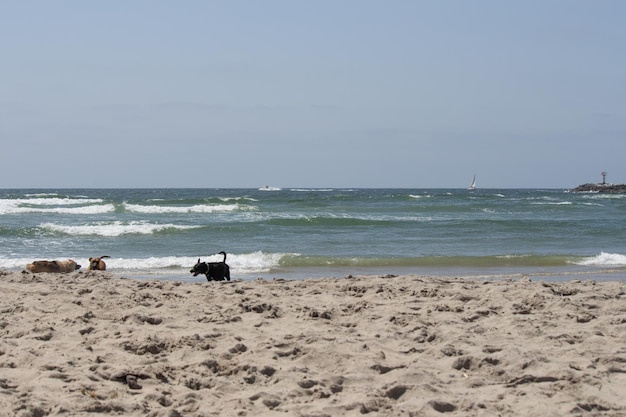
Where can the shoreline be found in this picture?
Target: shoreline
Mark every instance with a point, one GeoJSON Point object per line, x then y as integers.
{"type": "Point", "coordinates": [383, 346]}
{"type": "Point", "coordinates": [617, 273]}
{"type": "Point", "coordinates": [605, 272]}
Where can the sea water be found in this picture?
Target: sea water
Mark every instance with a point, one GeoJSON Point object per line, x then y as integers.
{"type": "Point", "coordinates": [298, 233]}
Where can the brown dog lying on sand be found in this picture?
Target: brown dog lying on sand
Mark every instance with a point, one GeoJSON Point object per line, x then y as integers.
{"type": "Point", "coordinates": [97, 264]}
{"type": "Point", "coordinates": [53, 266]}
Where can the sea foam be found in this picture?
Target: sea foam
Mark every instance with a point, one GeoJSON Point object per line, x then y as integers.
{"type": "Point", "coordinates": [200, 208]}
{"type": "Point", "coordinates": [54, 206]}
{"type": "Point", "coordinates": [604, 259]}
{"type": "Point", "coordinates": [240, 264]}
{"type": "Point", "coordinates": [112, 229]}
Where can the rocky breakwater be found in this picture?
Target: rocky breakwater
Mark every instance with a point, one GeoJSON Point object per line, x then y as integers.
{"type": "Point", "coordinates": [601, 188]}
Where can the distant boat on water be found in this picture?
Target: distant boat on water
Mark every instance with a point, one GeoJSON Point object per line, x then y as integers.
{"type": "Point", "coordinates": [472, 186]}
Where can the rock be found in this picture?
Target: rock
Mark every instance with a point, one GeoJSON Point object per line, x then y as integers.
{"type": "Point", "coordinates": [601, 188]}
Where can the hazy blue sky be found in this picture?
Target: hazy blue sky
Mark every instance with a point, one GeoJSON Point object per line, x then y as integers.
{"type": "Point", "coordinates": [319, 93]}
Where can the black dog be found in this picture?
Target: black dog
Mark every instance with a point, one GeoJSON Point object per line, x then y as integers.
{"type": "Point", "coordinates": [214, 271]}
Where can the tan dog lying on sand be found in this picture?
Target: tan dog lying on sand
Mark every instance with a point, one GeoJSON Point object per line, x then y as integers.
{"type": "Point", "coordinates": [97, 264]}
{"type": "Point", "coordinates": [53, 266]}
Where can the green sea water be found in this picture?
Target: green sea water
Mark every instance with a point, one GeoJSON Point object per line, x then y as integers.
{"type": "Point", "coordinates": [298, 233]}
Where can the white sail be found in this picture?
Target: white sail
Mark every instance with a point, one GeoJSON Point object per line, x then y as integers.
{"type": "Point", "coordinates": [472, 186]}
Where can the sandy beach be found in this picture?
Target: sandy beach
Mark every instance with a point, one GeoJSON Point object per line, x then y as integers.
{"type": "Point", "coordinates": [96, 343]}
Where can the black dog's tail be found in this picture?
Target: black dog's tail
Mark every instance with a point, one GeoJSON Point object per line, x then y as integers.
{"type": "Point", "coordinates": [223, 253]}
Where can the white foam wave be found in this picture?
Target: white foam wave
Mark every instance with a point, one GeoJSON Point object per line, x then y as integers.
{"type": "Point", "coordinates": [201, 208]}
{"type": "Point", "coordinates": [316, 190]}
{"type": "Point", "coordinates": [553, 203]}
{"type": "Point", "coordinates": [237, 198]}
{"type": "Point", "coordinates": [58, 201]}
{"type": "Point", "coordinates": [604, 259]}
{"type": "Point", "coordinates": [240, 264]}
{"type": "Point", "coordinates": [65, 201]}
{"type": "Point", "coordinates": [14, 263]}
{"type": "Point", "coordinates": [12, 208]}
{"type": "Point", "coordinates": [41, 195]}
{"type": "Point", "coordinates": [604, 196]}
{"type": "Point", "coordinates": [57, 205]}
{"type": "Point", "coordinates": [113, 229]}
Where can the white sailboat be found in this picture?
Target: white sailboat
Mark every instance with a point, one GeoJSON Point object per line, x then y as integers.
{"type": "Point", "coordinates": [472, 186]}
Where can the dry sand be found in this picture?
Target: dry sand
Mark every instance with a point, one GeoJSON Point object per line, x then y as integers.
{"type": "Point", "coordinates": [89, 343]}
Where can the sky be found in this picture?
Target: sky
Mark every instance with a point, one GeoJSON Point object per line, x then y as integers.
{"type": "Point", "coordinates": [312, 93]}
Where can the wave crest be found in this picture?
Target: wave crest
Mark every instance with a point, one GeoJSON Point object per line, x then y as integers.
{"type": "Point", "coordinates": [199, 208]}
{"type": "Point", "coordinates": [113, 229]}
{"type": "Point", "coordinates": [604, 259]}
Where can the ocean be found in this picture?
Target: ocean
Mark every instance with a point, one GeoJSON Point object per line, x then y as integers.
{"type": "Point", "coordinates": [295, 233]}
